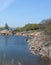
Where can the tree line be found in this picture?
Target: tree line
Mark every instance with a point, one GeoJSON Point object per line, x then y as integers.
{"type": "Point", "coordinates": [43, 25]}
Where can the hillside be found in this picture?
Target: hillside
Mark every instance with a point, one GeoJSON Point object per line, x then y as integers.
{"type": "Point", "coordinates": [41, 43]}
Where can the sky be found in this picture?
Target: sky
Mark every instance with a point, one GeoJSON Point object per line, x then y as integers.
{"type": "Point", "coordinates": [17, 13]}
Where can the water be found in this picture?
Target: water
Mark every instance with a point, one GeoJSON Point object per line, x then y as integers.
{"type": "Point", "coordinates": [14, 51]}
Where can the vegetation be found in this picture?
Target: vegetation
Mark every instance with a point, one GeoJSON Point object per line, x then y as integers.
{"type": "Point", "coordinates": [46, 26]}
{"type": "Point", "coordinates": [6, 26]}
{"type": "Point", "coordinates": [27, 27]}
{"type": "Point", "coordinates": [31, 27]}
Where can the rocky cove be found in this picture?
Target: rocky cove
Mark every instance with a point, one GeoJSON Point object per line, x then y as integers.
{"type": "Point", "coordinates": [40, 44]}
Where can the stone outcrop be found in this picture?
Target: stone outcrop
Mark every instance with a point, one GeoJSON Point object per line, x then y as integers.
{"type": "Point", "coordinates": [5, 32]}
{"type": "Point", "coordinates": [40, 44]}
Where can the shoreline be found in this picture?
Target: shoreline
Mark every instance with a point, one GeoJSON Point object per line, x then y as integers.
{"type": "Point", "coordinates": [39, 46]}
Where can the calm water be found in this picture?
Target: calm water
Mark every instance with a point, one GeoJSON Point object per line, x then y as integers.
{"type": "Point", "coordinates": [14, 51]}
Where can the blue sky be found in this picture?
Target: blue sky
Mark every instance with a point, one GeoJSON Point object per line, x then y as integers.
{"type": "Point", "coordinates": [20, 12]}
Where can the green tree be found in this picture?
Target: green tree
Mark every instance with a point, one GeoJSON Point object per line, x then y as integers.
{"type": "Point", "coordinates": [6, 26]}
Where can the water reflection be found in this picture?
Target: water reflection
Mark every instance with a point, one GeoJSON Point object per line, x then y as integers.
{"type": "Point", "coordinates": [14, 51]}
{"type": "Point", "coordinates": [10, 62]}
{"type": "Point", "coordinates": [6, 40]}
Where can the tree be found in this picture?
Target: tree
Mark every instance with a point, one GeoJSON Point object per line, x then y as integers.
{"type": "Point", "coordinates": [46, 25]}
{"type": "Point", "coordinates": [6, 26]}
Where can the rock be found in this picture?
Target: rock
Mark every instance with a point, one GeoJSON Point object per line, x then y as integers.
{"type": "Point", "coordinates": [39, 45]}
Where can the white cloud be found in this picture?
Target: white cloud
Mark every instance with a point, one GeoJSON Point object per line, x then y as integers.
{"type": "Point", "coordinates": [5, 4]}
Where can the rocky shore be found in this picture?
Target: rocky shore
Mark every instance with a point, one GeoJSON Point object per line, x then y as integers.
{"type": "Point", "coordinates": [40, 45]}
